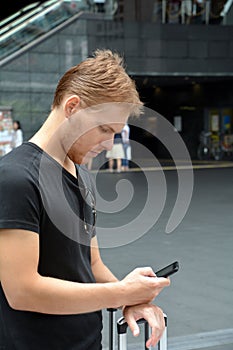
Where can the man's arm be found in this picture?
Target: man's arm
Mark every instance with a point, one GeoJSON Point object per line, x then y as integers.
{"type": "Point", "coordinates": [152, 313]}
{"type": "Point", "coordinates": [26, 289]}
{"type": "Point", "coordinates": [100, 271]}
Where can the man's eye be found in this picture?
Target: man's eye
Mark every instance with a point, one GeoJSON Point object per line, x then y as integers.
{"type": "Point", "coordinates": [103, 129]}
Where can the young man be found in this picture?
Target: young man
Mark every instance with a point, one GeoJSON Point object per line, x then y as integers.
{"type": "Point", "coordinates": [53, 281]}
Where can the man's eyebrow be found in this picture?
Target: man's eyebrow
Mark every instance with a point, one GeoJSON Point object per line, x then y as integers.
{"type": "Point", "coordinates": [108, 126]}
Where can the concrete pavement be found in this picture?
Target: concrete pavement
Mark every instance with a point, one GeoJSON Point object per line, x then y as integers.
{"type": "Point", "coordinates": [199, 301]}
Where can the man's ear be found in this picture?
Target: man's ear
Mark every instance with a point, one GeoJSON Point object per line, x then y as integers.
{"type": "Point", "coordinates": [72, 104]}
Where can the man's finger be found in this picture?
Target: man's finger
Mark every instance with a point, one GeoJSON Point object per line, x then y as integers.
{"type": "Point", "coordinates": [133, 325]}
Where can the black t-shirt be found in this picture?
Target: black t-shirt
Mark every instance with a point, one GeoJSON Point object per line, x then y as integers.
{"type": "Point", "coordinates": [38, 194]}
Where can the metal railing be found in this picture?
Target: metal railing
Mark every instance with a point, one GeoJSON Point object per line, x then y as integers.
{"type": "Point", "coordinates": [188, 11]}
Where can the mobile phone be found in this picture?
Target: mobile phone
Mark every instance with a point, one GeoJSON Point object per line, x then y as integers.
{"type": "Point", "coordinates": [168, 270]}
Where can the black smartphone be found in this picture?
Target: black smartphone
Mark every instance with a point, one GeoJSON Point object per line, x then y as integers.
{"type": "Point", "coordinates": [168, 270]}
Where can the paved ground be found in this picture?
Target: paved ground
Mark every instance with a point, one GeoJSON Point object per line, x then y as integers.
{"type": "Point", "coordinates": [199, 303]}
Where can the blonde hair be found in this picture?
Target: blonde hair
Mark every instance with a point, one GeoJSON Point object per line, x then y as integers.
{"type": "Point", "coordinates": [99, 79]}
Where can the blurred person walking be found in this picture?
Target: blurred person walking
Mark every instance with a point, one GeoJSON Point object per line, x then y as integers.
{"type": "Point", "coordinates": [17, 138]}
{"type": "Point", "coordinates": [116, 153]}
{"type": "Point", "coordinates": [127, 148]}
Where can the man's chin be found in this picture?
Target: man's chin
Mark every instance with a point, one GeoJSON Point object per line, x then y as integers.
{"type": "Point", "coordinates": [80, 161]}
{"type": "Point", "coordinates": [85, 160]}
{"type": "Point", "coordinates": [89, 156]}
{"type": "Point", "coordinates": [92, 154]}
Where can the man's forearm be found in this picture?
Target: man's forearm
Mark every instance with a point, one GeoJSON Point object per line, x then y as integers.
{"type": "Point", "coordinates": [26, 289]}
{"type": "Point", "coordinates": [54, 296]}
{"type": "Point", "coordinates": [102, 273]}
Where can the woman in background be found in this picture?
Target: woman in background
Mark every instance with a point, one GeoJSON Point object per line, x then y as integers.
{"type": "Point", "coordinates": [117, 152]}
{"type": "Point", "coordinates": [17, 138]}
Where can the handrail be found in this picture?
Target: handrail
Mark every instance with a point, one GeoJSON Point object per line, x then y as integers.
{"type": "Point", "coordinates": [37, 40]}
{"type": "Point", "coordinates": [54, 13]}
{"type": "Point", "coordinates": [226, 8]}
{"type": "Point", "coordinates": [24, 17]}
{"type": "Point", "coordinates": [17, 14]}
{"type": "Point", "coordinates": [31, 19]}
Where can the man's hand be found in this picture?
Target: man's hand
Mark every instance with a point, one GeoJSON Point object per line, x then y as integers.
{"type": "Point", "coordinates": [152, 314]}
{"type": "Point", "coordinates": [142, 286]}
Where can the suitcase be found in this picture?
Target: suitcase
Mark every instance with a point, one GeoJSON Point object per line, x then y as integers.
{"type": "Point", "coordinates": [122, 332]}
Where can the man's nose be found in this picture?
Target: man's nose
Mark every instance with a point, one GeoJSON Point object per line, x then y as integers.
{"type": "Point", "coordinates": [107, 144]}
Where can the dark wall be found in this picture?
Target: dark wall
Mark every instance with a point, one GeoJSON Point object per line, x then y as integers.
{"type": "Point", "coordinates": [152, 49]}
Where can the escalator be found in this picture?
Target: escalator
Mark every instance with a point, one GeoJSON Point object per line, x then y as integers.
{"type": "Point", "coordinates": [35, 21]}
{"type": "Point", "coordinates": [227, 13]}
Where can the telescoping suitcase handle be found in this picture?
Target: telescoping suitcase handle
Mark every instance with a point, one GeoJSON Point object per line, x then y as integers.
{"type": "Point", "coordinates": [122, 334]}
{"type": "Point", "coordinates": [112, 324]}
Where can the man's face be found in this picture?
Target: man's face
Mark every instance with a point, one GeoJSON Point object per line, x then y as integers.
{"type": "Point", "coordinates": [92, 130]}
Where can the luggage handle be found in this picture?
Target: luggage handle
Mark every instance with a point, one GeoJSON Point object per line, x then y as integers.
{"type": "Point", "coordinates": [122, 331]}
{"type": "Point", "coordinates": [122, 327]}
{"type": "Point", "coordinates": [112, 322]}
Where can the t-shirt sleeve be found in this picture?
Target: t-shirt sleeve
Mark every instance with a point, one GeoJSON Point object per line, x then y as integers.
{"type": "Point", "coordinates": [20, 200]}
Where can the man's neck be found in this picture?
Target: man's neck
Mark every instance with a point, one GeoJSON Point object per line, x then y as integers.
{"type": "Point", "coordinates": [48, 139]}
